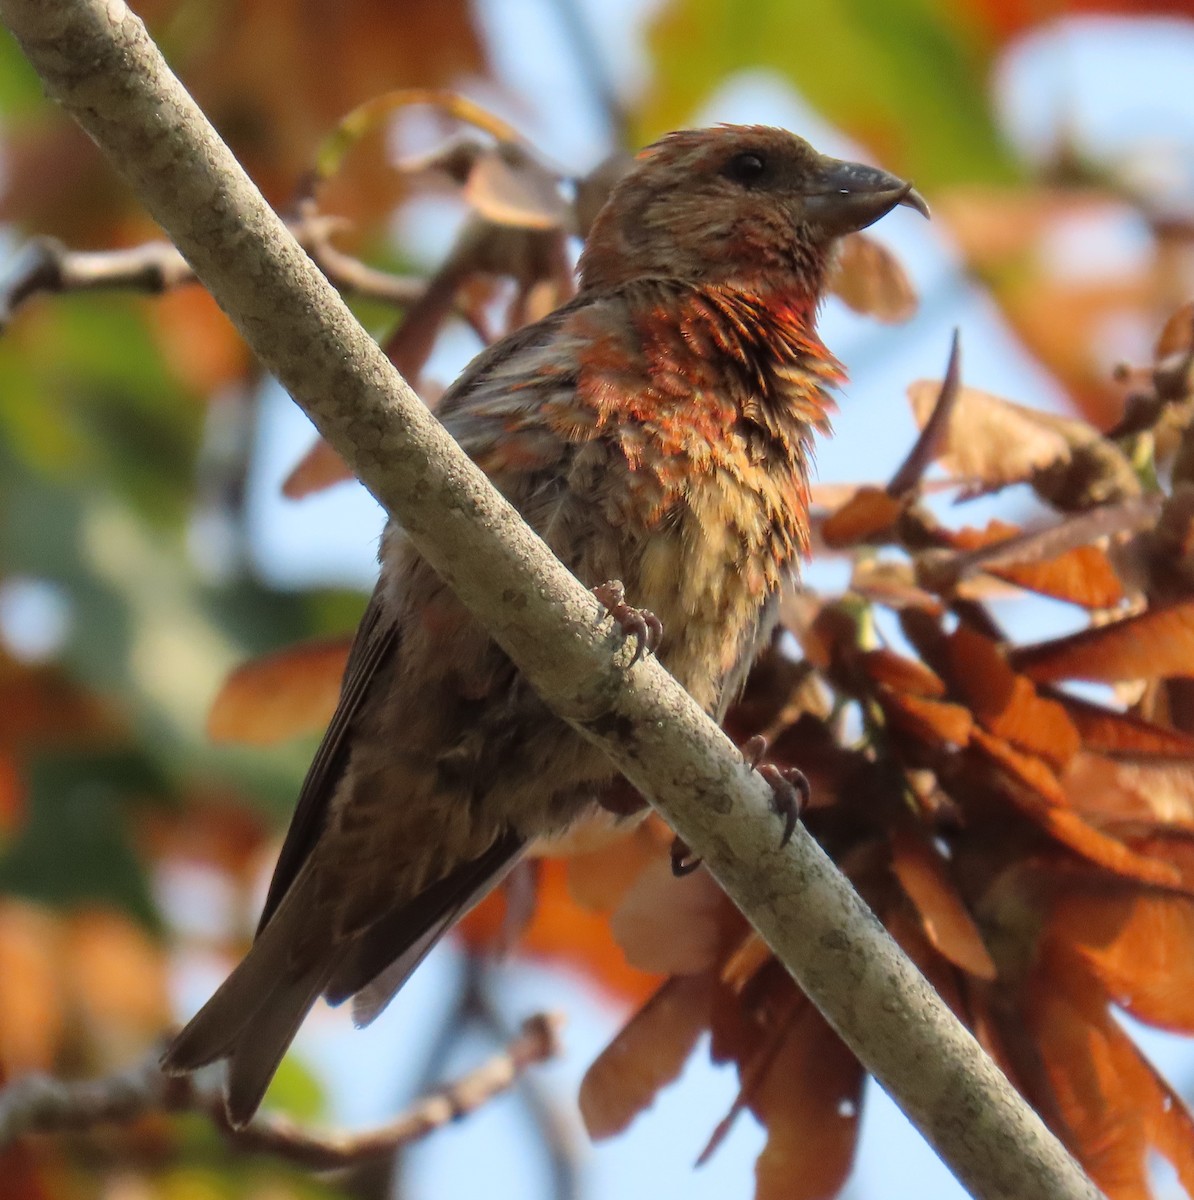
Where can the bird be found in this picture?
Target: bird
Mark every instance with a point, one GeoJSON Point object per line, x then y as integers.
{"type": "Point", "coordinates": [656, 432]}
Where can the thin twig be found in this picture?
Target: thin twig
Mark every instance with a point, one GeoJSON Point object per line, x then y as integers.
{"type": "Point", "coordinates": [42, 1104]}
{"type": "Point", "coordinates": [45, 266]}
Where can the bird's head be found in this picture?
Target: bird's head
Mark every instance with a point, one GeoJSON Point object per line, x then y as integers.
{"type": "Point", "coordinates": [735, 204]}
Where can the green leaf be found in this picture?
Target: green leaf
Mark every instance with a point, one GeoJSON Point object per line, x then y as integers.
{"type": "Point", "coordinates": [20, 89]}
{"type": "Point", "coordinates": [297, 1091]}
{"type": "Point", "coordinates": [908, 80]}
{"type": "Point", "coordinates": [74, 845]}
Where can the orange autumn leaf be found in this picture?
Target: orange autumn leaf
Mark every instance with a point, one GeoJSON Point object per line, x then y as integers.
{"type": "Point", "coordinates": [42, 706]}
{"type": "Point", "coordinates": [1082, 576]}
{"type": "Point", "coordinates": [934, 722]}
{"type": "Point", "coordinates": [1138, 944]}
{"type": "Point", "coordinates": [668, 925]}
{"type": "Point", "coordinates": [1126, 789]}
{"type": "Point", "coordinates": [32, 1012]}
{"type": "Point", "coordinates": [1036, 792]}
{"type": "Point", "coordinates": [116, 977]}
{"type": "Point", "coordinates": [924, 876]}
{"type": "Point", "coordinates": [901, 674]}
{"type": "Point", "coordinates": [560, 931]}
{"type": "Point", "coordinates": [1107, 731]}
{"type": "Point", "coordinates": [198, 341]}
{"type": "Point", "coordinates": [1114, 1104]}
{"type": "Point", "coordinates": [600, 878]}
{"type": "Point", "coordinates": [808, 1101]}
{"type": "Point", "coordinates": [281, 695]}
{"type": "Point", "coordinates": [1154, 645]}
{"type": "Point", "coordinates": [1006, 703]}
{"type": "Point", "coordinates": [647, 1054]}
{"type": "Point", "coordinates": [869, 513]}
{"type": "Point", "coordinates": [742, 965]}
{"type": "Point", "coordinates": [319, 468]}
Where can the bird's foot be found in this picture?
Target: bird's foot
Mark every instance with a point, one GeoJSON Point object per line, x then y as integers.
{"type": "Point", "coordinates": [790, 795]}
{"type": "Point", "coordinates": [790, 790]}
{"type": "Point", "coordinates": [645, 627]}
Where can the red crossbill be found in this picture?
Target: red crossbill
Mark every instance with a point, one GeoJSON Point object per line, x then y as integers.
{"type": "Point", "coordinates": [654, 430]}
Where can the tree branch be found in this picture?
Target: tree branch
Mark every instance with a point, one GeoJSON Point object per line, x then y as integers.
{"type": "Point", "coordinates": [41, 1104]}
{"type": "Point", "coordinates": [97, 60]}
{"type": "Point", "coordinates": [44, 265]}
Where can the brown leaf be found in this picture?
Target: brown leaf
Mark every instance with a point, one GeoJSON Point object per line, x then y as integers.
{"type": "Point", "coordinates": [1006, 703]}
{"type": "Point", "coordinates": [870, 279]}
{"type": "Point", "coordinates": [508, 186]}
{"type": "Point", "coordinates": [562, 932]}
{"type": "Point", "coordinates": [1177, 336]}
{"type": "Point", "coordinates": [901, 674]}
{"type": "Point", "coordinates": [1025, 772]}
{"type": "Point", "coordinates": [32, 1011]}
{"type": "Point", "coordinates": [117, 981]}
{"type": "Point", "coordinates": [1053, 560]}
{"type": "Point", "coordinates": [894, 584]}
{"type": "Point", "coordinates": [280, 695]}
{"type": "Point", "coordinates": [668, 925]}
{"type": "Point", "coordinates": [992, 443]}
{"type": "Point", "coordinates": [808, 1101]}
{"type": "Point", "coordinates": [924, 876]}
{"type": "Point", "coordinates": [934, 722]}
{"type": "Point", "coordinates": [600, 878]}
{"type": "Point", "coordinates": [1036, 792]}
{"type": "Point", "coordinates": [1154, 645]}
{"type": "Point", "coordinates": [1120, 789]}
{"type": "Point", "coordinates": [1107, 731]}
{"type": "Point", "coordinates": [319, 468]}
{"type": "Point", "coordinates": [1138, 944]}
{"type": "Point", "coordinates": [868, 515]}
{"type": "Point", "coordinates": [1081, 576]}
{"type": "Point", "coordinates": [1114, 1105]}
{"type": "Point", "coordinates": [648, 1054]}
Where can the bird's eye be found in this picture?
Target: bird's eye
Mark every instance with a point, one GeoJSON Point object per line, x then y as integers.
{"type": "Point", "coordinates": [746, 168]}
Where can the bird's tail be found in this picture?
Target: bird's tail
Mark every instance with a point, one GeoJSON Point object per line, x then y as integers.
{"type": "Point", "coordinates": [257, 1010]}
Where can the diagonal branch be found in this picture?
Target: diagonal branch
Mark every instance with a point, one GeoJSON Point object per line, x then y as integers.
{"type": "Point", "coordinates": [97, 60]}
{"type": "Point", "coordinates": [41, 1104]}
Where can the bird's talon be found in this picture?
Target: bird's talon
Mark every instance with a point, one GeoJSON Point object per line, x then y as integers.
{"type": "Point", "coordinates": [790, 795]}
{"type": "Point", "coordinates": [639, 623]}
{"type": "Point", "coordinates": [682, 861]}
{"type": "Point", "coordinates": [753, 750]}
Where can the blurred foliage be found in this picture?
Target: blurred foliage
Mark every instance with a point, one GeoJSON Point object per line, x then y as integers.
{"type": "Point", "coordinates": [1029, 849]}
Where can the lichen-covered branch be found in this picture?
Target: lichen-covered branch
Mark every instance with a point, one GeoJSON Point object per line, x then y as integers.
{"type": "Point", "coordinates": [42, 1104]}
{"type": "Point", "coordinates": [97, 60]}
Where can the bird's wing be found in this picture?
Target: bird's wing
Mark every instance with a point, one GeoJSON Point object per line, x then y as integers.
{"type": "Point", "coordinates": [375, 641]}
{"type": "Point", "coordinates": [386, 954]}
{"type": "Point", "coordinates": [499, 382]}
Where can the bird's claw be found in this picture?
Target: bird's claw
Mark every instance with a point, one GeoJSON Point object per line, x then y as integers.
{"type": "Point", "coordinates": [644, 626]}
{"type": "Point", "coordinates": [790, 796]}
{"type": "Point", "coordinates": [790, 790]}
{"type": "Point", "coordinates": [683, 861]}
